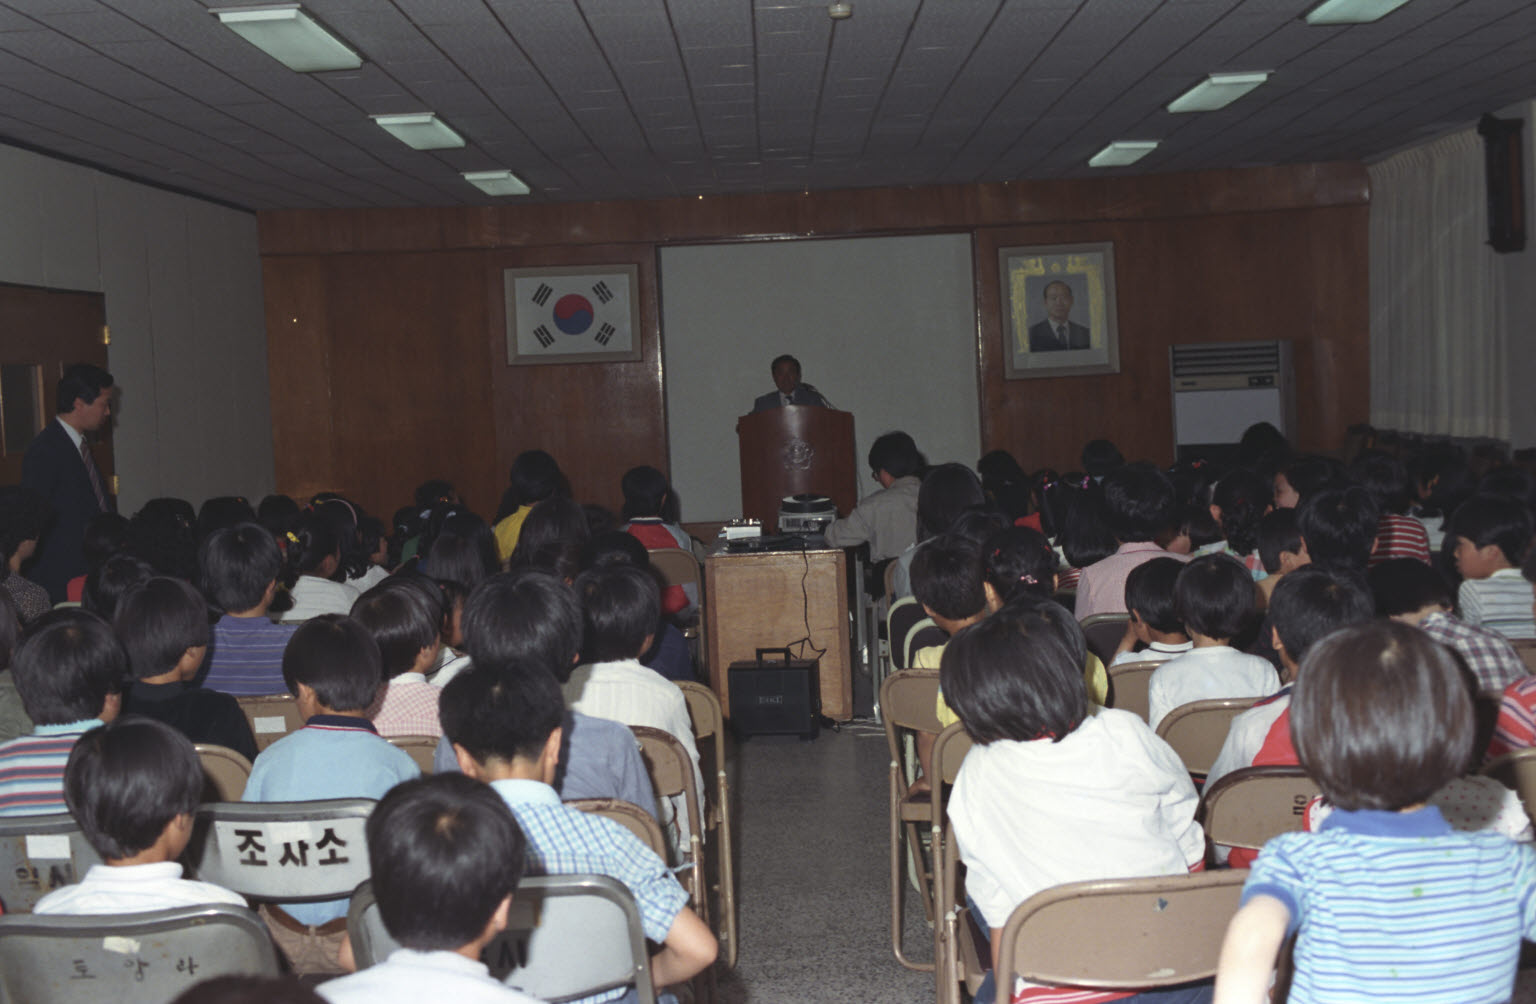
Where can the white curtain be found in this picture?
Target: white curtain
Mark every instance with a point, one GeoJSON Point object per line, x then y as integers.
{"type": "Point", "coordinates": [1438, 350]}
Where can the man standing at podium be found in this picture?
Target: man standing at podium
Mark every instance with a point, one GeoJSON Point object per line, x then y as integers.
{"type": "Point", "coordinates": [888, 518]}
{"type": "Point", "coordinates": [786, 377]}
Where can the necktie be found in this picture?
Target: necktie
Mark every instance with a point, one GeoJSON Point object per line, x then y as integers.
{"type": "Point", "coordinates": [91, 472]}
{"type": "Point", "coordinates": [1061, 332]}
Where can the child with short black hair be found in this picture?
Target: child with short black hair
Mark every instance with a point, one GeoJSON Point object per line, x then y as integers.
{"type": "Point", "coordinates": [1493, 536]}
{"type": "Point", "coordinates": [238, 569]}
{"type": "Point", "coordinates": [1155, 623]}
{"type": "Point", "coordinates": [1338, 527]}
{"type": "Point", "coordinates": [647, 499]}
{"type": "Point", "coordinates": [105, 535]}
{"type": "Point", "coordinates": [133, 785]}
{"type": "Point", "coordinates": [1398, 535]}
{"type": "Point", "coordinates": [1411, 592]}
{"type": "Point", "coordinates": [163, 625]}
{"type": "Point", "coordinates": [405, 621]}
{"type": "Point", "coordinates": [1280, 550]}
{"type": "Point", "coordinates": [312, 562]}
{"type": "Point", "coordinates": [1214, 597]}
{"type": "Point", "coordinates": [1139, 504]}
{"type": "Point", "coordinates": [445, 854]}
{"type": "Point", "coordinates": [1388, 900]}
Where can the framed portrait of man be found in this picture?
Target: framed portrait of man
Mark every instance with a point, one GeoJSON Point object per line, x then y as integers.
{"type": "Point", "coordinates": [1059, 310]}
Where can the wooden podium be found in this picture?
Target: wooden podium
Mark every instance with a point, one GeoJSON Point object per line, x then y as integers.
{"type": "Point", "coordinates": [785, 451]}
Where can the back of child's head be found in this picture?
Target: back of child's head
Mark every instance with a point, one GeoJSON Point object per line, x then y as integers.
{"type": "Point", "coordinates": [463, 550]}
{"type": "Point", "coordinates": [1149, 594]}
{"type": "Point", "coordinates": [1381, 716]}
{"type": "Point", "coordinates": [645, 492]}
{"type": "Point", "coordinates": [1243, 497]}
{"type": "Point", "coordinates": [614, 547]}
{"type": "Point", "coordinates": [222, 511]}
{"type": "Point", "coordinates": [371, 534]}
{"type": "Point", "coordinates": [978, 523]}
{"type": "Point", "coordinates": [620, 609]}
{"type": "Point", "coordinates": [343, 514]}
{"type": "Point", "coordinates": [534, 477]}
{"type": "Point", "coordinates": [1406, 586]}
{"type": "Point", "coordinates": [126, 780]}
{"type": "Point", "coordinates": [430, 493]}
{"type": "Point", "coordinates": [1442, 476]}
{"type": "Point", "coordinates": [1495, 520]}
{"type": "Point", "coordinates": [249, 990]}
{"type": "Point", "coordinates": [1099, 457]}
{"type": "Point", "coordinates": [1214, 596]}
{"type": "Point", "coordinates": [157, 620]}
{"type": "Point", "coordinates": [947, 491]}
{"type": "Point", "coordinates": [1309, 474]}
{"type": "Point", "coordinates": [403, 618]}
{"type": "Point", "coordinates": [1138, 502]}
{"type": "Point", "coordinates": [444, 851]}
{"type": "Point", "coordinates": [1263, 445]}
{"type": "Point", "coordinates": [311, 541]}
{"type": "Point", "coordinates": [104, 585]}
{"type": "Point", "coordinates": [501, 714]}
{"type": "Point", "coordinates": [1339, 525]}
{"type": "Point", "coordinates": [1004, 483]}
{"type": "Point", "coordinates": [1507, 479]}
{"type": "Point", "coordinates": [1385, 477]}
{"type": "Point", "coordinates": [162, 533]}
{"type": "Point", "coordinates": [1311, 603]}
{"type": "Point", "coordinates": [1277, 535]}
{"type": "Point", "coordinates": [551, 537]}
{"type": "Point", "coordinates": [68, 662]}
{"type": "Point", "coordinates": [105, 535]}
{"type": "Point", "coordinates": [1019, 562]}
{"type": "Point", "coordinates": [896, 454]}
{"type": "Point", "coordinates": [1193, 480]}
{"type": "Point", "coordinates": [523, 616]}
{"type": "Point", "coordinates": [236, 565]}
{"type": "Point", "coordinates": [1195, 524]}
{"type": "Point", "coordinates": [946, 577]}
{"type": "Point", "coordinates": [1018, 674]}
{"type": "Point", "coordinates": [277, 513]}
{"type": "Point", "coordinates": [337, 658]}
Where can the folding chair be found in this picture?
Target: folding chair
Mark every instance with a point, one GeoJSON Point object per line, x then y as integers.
{"type": "Point", "coordinates": [630, 816]}
{"type": "Point", "coordinates": [908, 698]}
{"type": "Point", "coordinates": [226, 772]}
{"type": "Point", "coordinates": [272, 716]}
{"type": "Point", "coordinates": [671, 772]}
{"type": "Point", "coordinates": [1527, 651]}
{"type": "Point", "coordinates": [680, 568]}
{"type": "Point", "coordinates": [136, 958]}
{"type": "Point", "coordinates": [904, 613]}
{"type": "Point", "coordinates": [1247, 807]}
{"type": "Point", "coordinates": [421, 749]}
{"type": "Point", "coordinates": [1128, 686]}
{"type": "Point", "coordinates": [1164, 931]}
{"type": "Point", "coordinates": [957, 961]}
{"type": "Point", "coordinates": [924, 634]}
{"type": "Point", "coordinates": [1515, 770]}
{"type": "Point", "coordinates": [719, 850]}
{"type": "Point", "coordinates": [1103, 633]}
{"type": "Point", "coordinates": [1196, 730]}
{"type": "Point", "coordinates": [38, 854]}
{"type": "Point", "coordinates": [568, 936]}
{"type": "Point", "coordinates": [282, 852]}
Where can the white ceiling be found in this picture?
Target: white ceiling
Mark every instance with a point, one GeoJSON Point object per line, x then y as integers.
{"type": "Point", "coordinates": [621, 99]}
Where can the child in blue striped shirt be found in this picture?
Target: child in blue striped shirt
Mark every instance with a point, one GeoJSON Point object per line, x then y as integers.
{"type": "Point", "coordinates": [1390, 902]}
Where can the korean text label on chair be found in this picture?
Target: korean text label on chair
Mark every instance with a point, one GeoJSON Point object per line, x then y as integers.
{"type": "Point", "coordinates": [38, 854]}
{"type": "Point", "coordinates": [290, 852]}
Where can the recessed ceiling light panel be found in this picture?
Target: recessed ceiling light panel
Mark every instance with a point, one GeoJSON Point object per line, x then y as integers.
{"type": "Point", "coordinates": [1122, 152]}
{"type": "Point", "coordinates": [420, 131]}
{"type": "Point", "coordinates": [288, 35]}
{"type": "Point", "coordinates": [1352, 11]}
{"type": "Point", "coordinates": [497, 182]}
{"type": "Point", "coordinates": [1217, 91]}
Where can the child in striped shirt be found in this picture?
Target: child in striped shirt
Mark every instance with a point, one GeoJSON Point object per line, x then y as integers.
{"type": "Point", "coordinates": [1390, 902]}
{"type": "Point", "coordinates": [1493, 533]}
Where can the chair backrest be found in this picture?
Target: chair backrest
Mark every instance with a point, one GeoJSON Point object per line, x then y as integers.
{"type": "Point", "coordinates": [1103, 633]}
{"type": "Point", "coordinates": [705, 713]}
{"type": "Point", "coordinates": [924, 634]}
{"type": "Point", "coordinates": [137, 958]}
{"type": "Point", "coordinates": [630, 816]}
{"type": "Point", "coordinates": [904, 613]}
{"type": "Point", "coordinates": [568, 936]}
{"type": "Point", "coordinates": [677, 566]}
{"type": "Point", "coordinates": [226, 772]}
{"type": "Point", "coordinates": [272, 716]}
{"type": "Point", "coordinates": [671, 772]}
{"type": "Point", "coordinates": [421, 748]}
{"type": "Point", "coordinates": [291, 852]}
{"type": "Point", "coordinates": [1128, 687]}
{"type": "Point", "coordinates": [1527, 651]}
{"type": "Point", "coordinates": [1197, 730]}
{"type": "Point", "coordinates": [38, 854]}
{"type": "Point", "coordinates": [909, 700]}
{"type": "Point", "coordinates": [1517, 770]}
{"type": "Point", "coordinates": [1247, 807]}
{"type": "Point", "coordinates": [1165, 930]}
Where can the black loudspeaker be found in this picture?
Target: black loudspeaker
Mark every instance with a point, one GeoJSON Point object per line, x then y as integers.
{"type": "Point", "coordinates": [1505, 166]}
{"type": "Point", "coordinates": [775, 697]}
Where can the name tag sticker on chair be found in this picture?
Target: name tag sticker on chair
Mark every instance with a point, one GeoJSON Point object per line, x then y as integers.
{"type": "Point", "coordinates": [120, 945]}
{"type": "Point", "coordinates": [48, 846]}
{"type": "Point", "coordinates": [267, 724]}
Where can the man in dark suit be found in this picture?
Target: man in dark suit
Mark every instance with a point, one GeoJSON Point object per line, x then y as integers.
{"type": "Point", "coordinates": [786, 377]}
{"type": "Point", "coordinates": [1056, 333]}
{"type": "Point", "coordinates": [58, 467]}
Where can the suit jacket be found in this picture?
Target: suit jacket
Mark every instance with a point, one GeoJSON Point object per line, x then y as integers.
{"type": "Point", "coordinates": [1042, 337]}
{"type": "Point", "coordinates": [804, 394]}
{"type": "Point", "coordinates": [53, 469]}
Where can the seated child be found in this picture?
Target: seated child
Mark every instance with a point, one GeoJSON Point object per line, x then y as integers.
{"type": "Point", "coordinates": [68, 672]}
{"type": "Point", "coordinates": [1107, 798]}
{"type": "Point", "coordinates": [239, 567]}
{"type": "Point", "coordinates": [1412, 592]}
{"type": "Point", "coordinates": [1388, 902]}
{"type": "Point", "coordinates": [310, 566]}
{"type": "Point", "coordinates": [669, 654]}
{"type": "Point", "coordinates": [1493, 534]}
{"type": "Point", "coordinates": [445, 855]}
{"type": "Point", "coordinates": [1154, 615]}
{"type": "Point", "coordinates": [105, 535]}
{"type": "Point", "coordinates": [1516, 726]}
{"type": "Point", "coordinates": [1398, 535]}
{"type": "Point", "coordinates": [163, 625]}
{"type": "Point", "coordinates": [133, 785]}
{"type": "Point", "coordinates": [1238, 501]}
{"type": "Point", "coordinates": [646, 497]}
{"type": "Point", "coordinates": [1279, 549]}
{"type": "Point", "coordinates": [1139, 504]}
{"type": "Point", "coordinates": [405, 622]}
{"type": "Point", "coordinates": [332, 667]}
{"type": "Point", "coordinates": [505, 730]}
{"type": "Point", "coordinates": [1214, 599]}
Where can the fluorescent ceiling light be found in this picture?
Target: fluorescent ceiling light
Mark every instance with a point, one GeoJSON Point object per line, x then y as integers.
{"type": "Point", "coordinates": [1352, 11]}
{"type": "Point", "coordinates": [420, 131]}
{"type": "Point", "coordinates": [287, 34]}
{"type": "Point", "coordinates": [1217, 91]}
{"type": "Point", "coordinates": [501, 182]}
{"type": "Point", "coordinates": [1122, 152]}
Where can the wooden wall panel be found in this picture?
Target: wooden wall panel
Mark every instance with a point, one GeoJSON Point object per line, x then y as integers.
{"type": "Point", "coordinates": [299, 371]}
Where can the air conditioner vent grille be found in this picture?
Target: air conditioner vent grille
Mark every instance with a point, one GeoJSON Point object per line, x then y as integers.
{"type": "Point", "coordinates": [1225, 357]}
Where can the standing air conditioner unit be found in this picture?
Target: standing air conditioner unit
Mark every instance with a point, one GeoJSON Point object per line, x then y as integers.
{"type": "Point", "coordinates": [1221, 388]}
